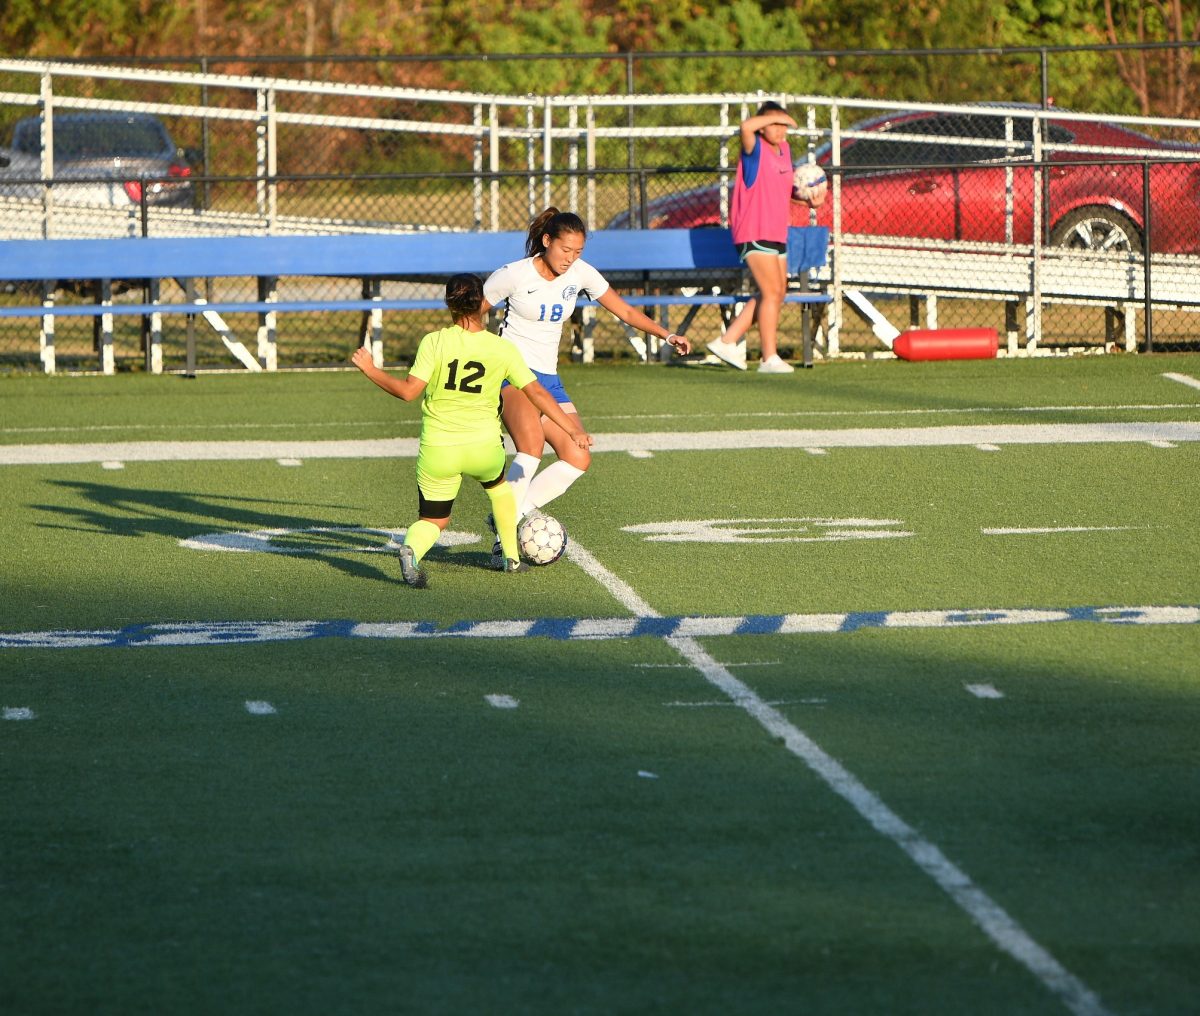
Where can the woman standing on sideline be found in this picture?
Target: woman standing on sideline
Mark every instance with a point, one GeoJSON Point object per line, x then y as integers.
{"type": "Point", "coordinates": [759, 216]}
{"type": "Point", "coordinates": [541, 292]}
{"type": "Point", "coordinates": [459, 371]}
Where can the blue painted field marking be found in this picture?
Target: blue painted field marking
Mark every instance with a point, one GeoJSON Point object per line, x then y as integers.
{"type": "Point", "coordinates": [569, 629]}
{"type": "Point", "coordinates": [760, 624]}
{"type": "Point", "coordinates": [864, 619]}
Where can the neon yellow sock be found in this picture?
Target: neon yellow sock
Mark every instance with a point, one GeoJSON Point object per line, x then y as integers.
{"type": "Point", "coordinates": [504, 512]}
{"type": "Point", "coordinates": [421, 536]}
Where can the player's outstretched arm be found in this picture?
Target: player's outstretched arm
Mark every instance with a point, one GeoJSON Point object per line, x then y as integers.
{"type": "Point", "coordinates": [613, 302]}
{"type": "Point", "coordinates": [750, 128]}
{"type": "Point", "coordinates": [406, 388]}
{"type": "Point", "coordinates": [544, 402]}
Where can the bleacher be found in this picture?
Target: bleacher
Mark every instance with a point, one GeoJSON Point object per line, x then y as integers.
{"type": "Point", "coordinates": [671, 268]}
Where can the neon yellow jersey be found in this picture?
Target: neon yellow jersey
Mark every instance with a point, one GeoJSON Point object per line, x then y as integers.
{"type": "Point", "coordinates": [463, 372]}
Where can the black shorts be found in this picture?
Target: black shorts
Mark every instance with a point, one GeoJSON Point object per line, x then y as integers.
{"type": "Point", "coordinates": [776, 247]}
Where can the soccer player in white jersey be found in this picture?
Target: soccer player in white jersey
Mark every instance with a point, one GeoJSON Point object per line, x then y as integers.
{"type": "Point", "coordinates": [541, 291]}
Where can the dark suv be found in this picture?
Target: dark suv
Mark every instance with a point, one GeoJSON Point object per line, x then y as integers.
{"type": "Point", "coordinates": [109, 154]}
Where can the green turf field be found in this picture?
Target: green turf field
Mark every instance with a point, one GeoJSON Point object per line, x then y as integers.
{"type": "Point", "coordinates": [870, 689]}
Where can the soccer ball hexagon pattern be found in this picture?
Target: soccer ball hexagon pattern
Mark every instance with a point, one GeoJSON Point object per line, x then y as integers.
{"type": "Point", "coordinates": [809, 184]}
{"type": "Point", "coordinates": [542, 539]}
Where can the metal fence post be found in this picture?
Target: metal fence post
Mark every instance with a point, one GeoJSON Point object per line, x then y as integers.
{"type": "Point", "coordinates": [833, 334]}
{"type": "Point", "coordinates": [477, 166]}
{"type": "Point", "coordinates": [189, 290]}
{"type": "Point", "coordinates": [205, 142]}
{"type": "Point", "coordinates": [547, 152]}
{"type": "Point", "coordinates": [1147, 237]}
{"type": "Point", "coordinates": [494, 163]}
{"type": "Point", "coordinates": [46, 102]}
{"type": "Point", "coordinates": [630, 150]}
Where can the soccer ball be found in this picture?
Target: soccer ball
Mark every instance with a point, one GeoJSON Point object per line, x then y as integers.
{"type": "Point", "coordinates": [542, 539]}
{"type": "Point", "coordinates": [809, 184]}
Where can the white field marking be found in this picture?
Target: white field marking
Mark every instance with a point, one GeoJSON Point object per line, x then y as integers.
{"type": "Point", "coordinates": [988, 447]}
{"type": "Point", "coordinates": [770, 530]}
{"type": "Point", "coordinates": [817, 451]}
{"type": "Point", "coordinates": [262, 541]}
{"type": "Point", "coordinates": [399, 424]}
{"type": "Point", "coordinates": [725, 703]}
{"type": "Point", "coordinates": [1162, 444]}
{"type": "Point", "coordinates": [931, 411]}
{"type": "Point", "coordinates": [112, 465]}
{"type": "Point", "coordinates": [640, 453]}
{"type": "Point", "coordinates": [991, 918]}
{"type": "Point", "coordinates": [354, 426]}
{"type": "Point", "coordinates": [645, 774]}
{"type": "Point", "coordinates": [1183, 379]}
{"type": "Point", "coordinates": [688, 666]}
{"type": "Point", "coordinates": [984, 691]}
{"type": "Point", "coordinates": [1042, 530]}
{"type": "Point", "coordinates": [17, 713]}
{"type": "Point", "coordinates": [259, 708]}
{"type": "Point", "coordinates": [290, 462]}
{"type": "Point", "coordinates": [502, 701]}
{"type": "Point", "coordinates": [406, 448]}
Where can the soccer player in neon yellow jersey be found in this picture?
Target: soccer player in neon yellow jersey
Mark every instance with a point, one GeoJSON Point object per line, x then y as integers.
{"type": "Point", "coordinates": [459, 371]}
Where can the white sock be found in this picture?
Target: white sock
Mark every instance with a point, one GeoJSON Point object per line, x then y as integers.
{"type": "Point", "coordinates": [549, 484]}
{"type": "Point", "coordinates": [520, 473]}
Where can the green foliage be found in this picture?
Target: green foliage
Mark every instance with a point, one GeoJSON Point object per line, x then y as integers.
{"type": "Point", "coordinates": [742, 26]}
{"type": "Point", "coordinates": [471, 27]}
{"type": "Point", "coordinates": [612, 28]}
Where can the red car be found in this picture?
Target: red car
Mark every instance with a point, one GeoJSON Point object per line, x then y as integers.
{"type": "Point", "coordinates": [919, 175]}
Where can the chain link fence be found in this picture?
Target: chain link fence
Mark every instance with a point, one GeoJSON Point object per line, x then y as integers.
{"type": "Point", "coordinates": [1036, 222]}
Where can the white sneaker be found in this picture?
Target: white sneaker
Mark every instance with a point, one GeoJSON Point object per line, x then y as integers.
{"type": "Point", "coordinates": [733, 353]}
{"type": "Point", "coordinates": [774, 365]}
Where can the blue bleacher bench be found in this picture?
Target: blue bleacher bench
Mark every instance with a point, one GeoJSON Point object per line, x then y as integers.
{"type": "Point", "coordinates": [698, 259]}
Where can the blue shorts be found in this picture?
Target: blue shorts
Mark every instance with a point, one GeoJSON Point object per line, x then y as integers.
{"type": "Point", "coordinates": [552, 383]}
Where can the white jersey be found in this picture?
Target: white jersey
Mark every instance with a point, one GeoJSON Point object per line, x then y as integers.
{"type": "Point", "coordinates": [537, 307]}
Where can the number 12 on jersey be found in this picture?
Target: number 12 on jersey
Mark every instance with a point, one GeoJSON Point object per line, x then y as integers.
{"type": "Point", "coordinates": [469, 382]}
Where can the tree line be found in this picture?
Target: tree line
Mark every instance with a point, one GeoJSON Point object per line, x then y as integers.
{"type": "Point", "coordinates": [1156, 81]}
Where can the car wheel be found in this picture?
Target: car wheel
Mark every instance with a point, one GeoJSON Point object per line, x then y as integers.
{"type": "Point", "coordinates": [1097, 229]}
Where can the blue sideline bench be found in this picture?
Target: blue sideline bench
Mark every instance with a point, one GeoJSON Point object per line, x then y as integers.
{"type": "Point", "coordinates": [647, 259]}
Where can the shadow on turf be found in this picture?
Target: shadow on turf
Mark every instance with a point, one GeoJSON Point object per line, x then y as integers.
{"type": "Point", "coordinates": [178, 515]}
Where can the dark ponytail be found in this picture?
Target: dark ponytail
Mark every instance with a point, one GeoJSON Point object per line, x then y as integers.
{"type": "Point", "coordinates": [464, 295]}
{"type": "Point", "coordinates": [554, 224]}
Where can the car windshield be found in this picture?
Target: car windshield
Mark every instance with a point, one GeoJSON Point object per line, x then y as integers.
{"type": "Point", "coordinates": [98, 139]}
{"type": "Point", "coordinates": [939, 134]}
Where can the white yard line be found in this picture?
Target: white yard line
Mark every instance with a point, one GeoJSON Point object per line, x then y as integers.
{"type": "Point", "coordinates": [1183, 379]}
{"type": "Point", "coordinates": [17, 713]}
{"type": "Point", "coordinates": [930, 411]}
{"type": "Point", "coordinates": [1043, 530]}
{"type": "Point", "coordinates": [986, 691]}
{"type": "Point", "coordinates": [992, 919]}
{"type": "Point", "coordinates": [392, 425]}
{"type": "Point", "coordinates": [803, 440]}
